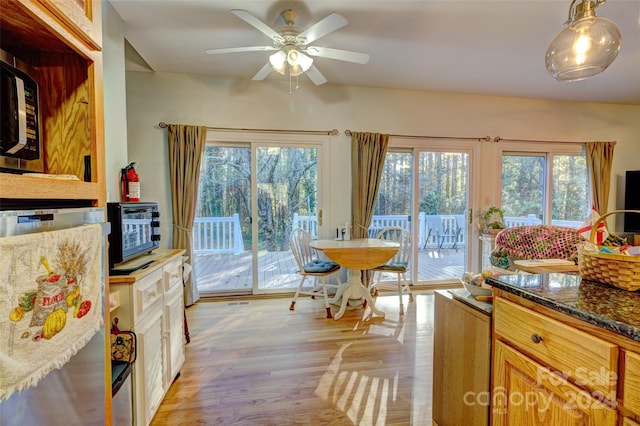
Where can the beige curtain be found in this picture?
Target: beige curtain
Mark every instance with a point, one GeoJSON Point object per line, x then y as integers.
{"type": "Point", "coordinates": [368, 151]}
{"type": "Point", "coordinates": [599, 159]}
{"type": "Point", "coordinates": [186, 145]}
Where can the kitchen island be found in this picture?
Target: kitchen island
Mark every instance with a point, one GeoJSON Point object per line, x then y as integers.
{"type": "Point", "coordinates": [563, 349]}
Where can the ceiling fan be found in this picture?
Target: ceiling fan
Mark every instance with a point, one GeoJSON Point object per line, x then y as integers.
{"type": "Point", "coordinates": [293, 52]}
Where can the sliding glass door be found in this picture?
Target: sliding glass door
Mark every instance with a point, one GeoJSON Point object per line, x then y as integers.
{"type": "Point", "coordinates": [287, 198]}
{"type": "Point", "coordinates": [251, 195]}
{"type": "Point", "coordinates": [222, 237]}
{"type": "Point", "coordinates": [443, 205]}
{"type": "Point", "coordinates": [426, 190]}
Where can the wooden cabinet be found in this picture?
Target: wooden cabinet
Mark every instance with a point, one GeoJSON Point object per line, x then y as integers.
{"type": "Point", "coordinates": [550, 342]}
{"type": "Point", "coordinates": [67, 63]}
{"type": "Point", "coordinates": [151, 304]}
{"type": "Point", "coordinates": [461, 362]}
{"type": "Point", "coordinates": [527, 393]}
{"type": "Point", "coordinates": [550, 367]}
{"type": "Point", "coordinates": [82, 16]}
{"type": "Point", "coordinates": [631, 383]}
{"type": "Point", "coordinates": [148, 372]}
{"type": "Point", "coordinates": [173, 317]}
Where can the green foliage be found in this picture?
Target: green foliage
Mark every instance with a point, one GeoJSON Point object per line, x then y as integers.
{"type": "Point", "coordinates": [430, 203]}
{"type": "Point", "coordinates": [286, 185]}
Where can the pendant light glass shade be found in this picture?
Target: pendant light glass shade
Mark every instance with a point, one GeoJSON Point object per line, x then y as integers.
{"type": "Point", "coordinates": [586, 47]}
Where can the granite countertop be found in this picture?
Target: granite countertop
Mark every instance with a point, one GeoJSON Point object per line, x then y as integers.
{"type": "Point", "coordinates": [607, 307]}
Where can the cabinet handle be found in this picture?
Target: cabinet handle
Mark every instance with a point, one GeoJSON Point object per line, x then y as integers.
{"type": "Point", "coordinates": [536, 338]}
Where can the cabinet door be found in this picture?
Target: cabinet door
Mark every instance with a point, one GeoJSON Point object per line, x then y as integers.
{"type": "Point", "coordinates": [461, 359]}
{"type": "Point", "coordinates": [148, 368]}
{"type": "Point", "coordinates": [83, 17]}
{"type": "Point", "coordinates": [631, 396]}
{"type": "Point", "coordinates": [174, 334]}
{"type": "Point", "coordinates": [525, 393]}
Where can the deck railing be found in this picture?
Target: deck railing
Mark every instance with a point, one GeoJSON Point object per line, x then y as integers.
{"type": "Point", "coordinates": [136, 232]}
{"type": "Point", "coordinates": [224, 235]}
{"type": "Point", "coordinates": [217, 235]}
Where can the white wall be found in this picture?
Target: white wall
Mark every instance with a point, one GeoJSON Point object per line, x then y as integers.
{"type": "Point", "coordinates": [223, 102]}
{"type": "Point", "coordinates": [115, 104]}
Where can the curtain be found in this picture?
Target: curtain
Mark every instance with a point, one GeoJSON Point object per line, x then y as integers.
{"type": "Point", "coordinates": [368, 151]}
{"type": "Point", "coordinates": [599, 159]}
{"type": "Point", "coordinates": [186, 145]}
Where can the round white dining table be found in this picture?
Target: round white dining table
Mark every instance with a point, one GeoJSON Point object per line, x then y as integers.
{"type": "Point", "coordinates": [356, 255]}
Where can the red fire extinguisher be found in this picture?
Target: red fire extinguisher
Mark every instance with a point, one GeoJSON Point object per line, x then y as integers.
{"type": "Point", "coordinates": [130, 183]}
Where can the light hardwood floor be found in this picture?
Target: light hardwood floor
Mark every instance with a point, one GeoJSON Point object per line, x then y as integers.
{"type": "Point", "coordinates": [254, 362]}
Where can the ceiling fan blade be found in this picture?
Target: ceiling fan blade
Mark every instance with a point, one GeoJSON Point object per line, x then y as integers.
{"type": "Point", "coordinates": [316, 76]}
{"type": "Point", "coordinates": [263, 73]}
{"type": "Point", "coordinates": [338, 54]}
{"type": "Point", "coordinates": [255, 22]}
{"type": "Point", "coordinates": [323, 27]}
{"type": "Point", "coordinates": [240, 49]}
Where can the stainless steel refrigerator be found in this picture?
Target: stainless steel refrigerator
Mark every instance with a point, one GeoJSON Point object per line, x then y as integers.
{"type": "Point", "coordinates": [75, 393]}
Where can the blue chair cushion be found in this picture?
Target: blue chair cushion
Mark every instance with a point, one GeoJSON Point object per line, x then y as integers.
{"type": "Point", "coordinates": [393, 267]}
{"type": "Point", "coordinates": [319, 266]}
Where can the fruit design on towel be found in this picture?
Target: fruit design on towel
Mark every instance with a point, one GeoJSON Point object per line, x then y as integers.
{"type": "Point", "coordinates": [58, 295]}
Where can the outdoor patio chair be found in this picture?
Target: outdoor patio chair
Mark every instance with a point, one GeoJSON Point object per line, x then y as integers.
{"type": "Point", "coordinates": [399, 263]}
{"type": "Point", "coordinates": [436, 229]}
{"type": "Point", "coordinates": [461, 228]}
{"type": "Point", "coordinates": [311, 266]}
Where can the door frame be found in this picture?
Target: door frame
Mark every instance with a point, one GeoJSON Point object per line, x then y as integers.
{"type": "Point", "coordinates": [255, 139]}
{"type": "Point", "coordinates": [472, 149]}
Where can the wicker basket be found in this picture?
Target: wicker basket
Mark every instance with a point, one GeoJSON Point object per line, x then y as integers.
{"type": "Point", "coordinates": [614, 269]}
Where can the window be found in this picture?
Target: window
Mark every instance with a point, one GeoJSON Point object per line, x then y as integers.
{"type": "Point", "coordinates": [544, 187]}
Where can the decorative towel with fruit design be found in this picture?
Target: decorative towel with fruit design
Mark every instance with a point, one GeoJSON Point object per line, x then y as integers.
{"type": "Point", "coordinates": [50, 302]}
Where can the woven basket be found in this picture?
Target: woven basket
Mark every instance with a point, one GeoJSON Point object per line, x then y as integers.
{"type": "Point", "coordinates": [613, 269]}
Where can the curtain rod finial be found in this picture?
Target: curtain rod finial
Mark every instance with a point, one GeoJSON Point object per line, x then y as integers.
{"type": "Point", "coordinates": [163, 125]}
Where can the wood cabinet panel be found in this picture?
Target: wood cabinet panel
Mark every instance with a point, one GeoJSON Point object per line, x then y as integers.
{"type": "Point", "coordinates": [66, 120]}
{"type": "Point", "coordinates": [148, 369]}
{"type": "Point", "coordinates": [157, 318]}
{"type": "Point", "coordinates": [173, 275]}
{"type": "Point", "coordinates": [174, 334]}
{"type": "Point", "coordinates": [524, 392]}
{"type": "Point", "coordinates": [553, 342]}
{"type": "Point", "coordinates": [71, 105]}
{"type": "Point", "coordinates": [84, 17]}
{"type": "Point", "coordinates": [461, 363]}
{"type": "Point", "coordinates": [146, 294]}
{"type": "Point", "coordinates": [631, 385]}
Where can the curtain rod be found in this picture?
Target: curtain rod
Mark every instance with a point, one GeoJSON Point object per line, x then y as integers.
{"type": "Point", "coordinates": [332, 132]}
{"type": "Point", "coordinates": [499, 139]}
{"type": "Point", "coordinates": [480, 139]}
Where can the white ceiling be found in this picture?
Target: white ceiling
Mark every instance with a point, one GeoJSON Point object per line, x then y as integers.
{"type": "Point", "coordinates": [479, 47]}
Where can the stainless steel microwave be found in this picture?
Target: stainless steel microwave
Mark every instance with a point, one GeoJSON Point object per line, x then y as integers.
{"type": "Point", "coordinates": [20, 142]}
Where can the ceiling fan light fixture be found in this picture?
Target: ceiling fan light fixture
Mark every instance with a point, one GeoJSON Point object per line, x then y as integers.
{"type": "Point", "coordinates": [301, 60]}
{"type": "Point", "coordinates": [586, 47]}
{"type": "Point", "coordinates": [296, 61]}
{"type": "Point", "coordinates": [279, 61]}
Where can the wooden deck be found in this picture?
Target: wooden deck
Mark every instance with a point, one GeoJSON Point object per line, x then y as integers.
{"type": "Point", "coordinates": [227, 273]}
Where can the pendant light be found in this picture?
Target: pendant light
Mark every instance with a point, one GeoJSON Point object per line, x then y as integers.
{"type": "Point", "coordinates": [586, 47]}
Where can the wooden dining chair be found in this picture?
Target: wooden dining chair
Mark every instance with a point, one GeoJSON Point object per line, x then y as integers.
{"type": "Point", "coordinates": [399, 263]}
{"type": "Point", "coordinates": [309, 265]}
